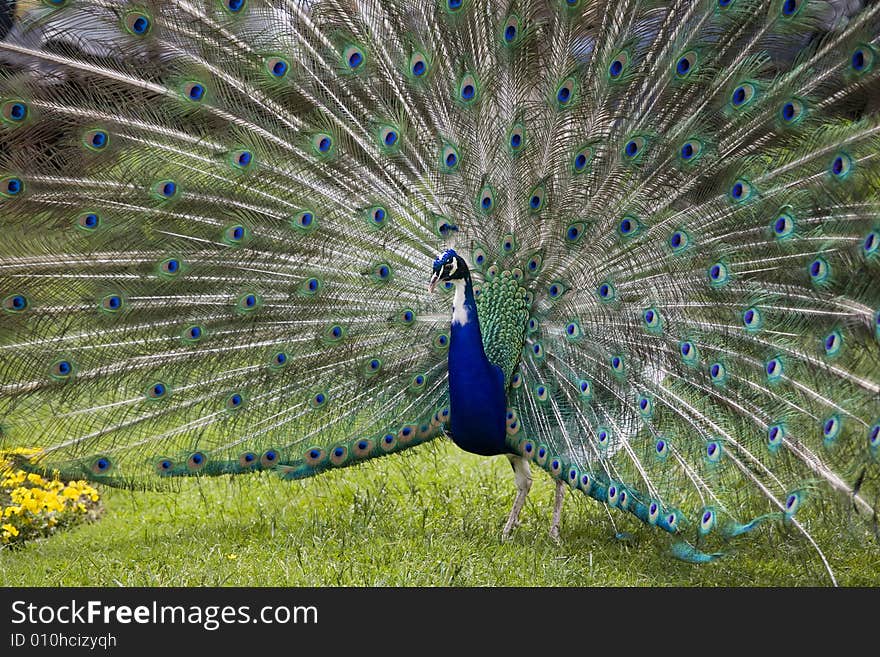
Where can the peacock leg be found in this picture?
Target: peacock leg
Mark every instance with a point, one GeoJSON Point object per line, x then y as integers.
{"type": "Point", "coordinates": [557, 510]}
{"type": "Point", "coordinates": [523, 479]}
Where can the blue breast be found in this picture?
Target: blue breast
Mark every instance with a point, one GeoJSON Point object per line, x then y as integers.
{"type": "Point", "coordinates": [477, 400]}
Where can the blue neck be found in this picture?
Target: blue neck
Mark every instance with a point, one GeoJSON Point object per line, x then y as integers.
{"type": "Point", "coordinates": [477, 399]}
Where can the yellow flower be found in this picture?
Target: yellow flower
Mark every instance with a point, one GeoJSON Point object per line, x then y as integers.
{"type": "Point", "coordinates": [12, 530]}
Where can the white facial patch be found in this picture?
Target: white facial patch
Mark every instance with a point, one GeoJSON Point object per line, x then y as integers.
{"type": "Point", "coordinates": [454, 267]}
{"type": "Point", "coordinates": [459, 312]}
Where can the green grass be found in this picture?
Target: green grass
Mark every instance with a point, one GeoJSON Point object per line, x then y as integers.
{"type": "Point", "coordinates": [431, 516]}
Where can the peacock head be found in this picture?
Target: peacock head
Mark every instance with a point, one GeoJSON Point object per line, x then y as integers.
{"type": "Point", "coordinates": [449, 266]}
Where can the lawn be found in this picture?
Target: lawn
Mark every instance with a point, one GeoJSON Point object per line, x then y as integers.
{"type": "Point", "coordinates": [430, 516]}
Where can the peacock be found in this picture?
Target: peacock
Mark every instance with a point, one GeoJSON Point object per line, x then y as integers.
{"type": "Point", "coordinates": [634, 244]}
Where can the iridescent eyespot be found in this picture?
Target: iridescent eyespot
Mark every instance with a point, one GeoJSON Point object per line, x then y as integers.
{"type": "Point", "coordinates": [752, 318]}
{"type": "Point", "coordinates": [862, 59]}
{"type": "Point", "coordinates": [613, 494]}
{"type": "Point", "coordinates": [573, 331]}
{"type": "Point", "coordinates": [11, 186]}
{"type": "Point", "coordinates": [537, 198]}
{"type": "Point", "coordinates": [318, 399]}
{"type": "Point", "coordinates": [279, 360]}
{"type": "Point", "coordinates": [690, 151]}
{"type": "Point", "coordinates": [510, 30]}
{"type": "Point", "coordinates": [241, 159]}
{"type": "Point", "coordinates": [277, 67]}
{"type": "Point", "coordinates": [157, 390]}
{"type": "Point", "coordinates": [234, 401]}
{"type": "Point", "coordinates": [441, 341]}
{"type": "Point", "coordinates": [196, 461]}
{"type": "Point", "coordinates": [679, 241]}
{"type": "Point", "coordinates": [832, 344]}
{"type": "Point", "coordinates": [718, 274]}
{"type": "Point", "coordinates": [234, 235]}
{"type": "Point", "coordinates": [792, 111]}
{"type": "Point", "coordinates": [486, 200]}
{"type": "Point", "coordinates": [790, 7]}
{"type": "Point", "coordinates": [170, 267]}
{"type": "Point", "coordinates": [454, 5]}
{"type": "Point", "coordinates": [603, 437]}
{"type": "Point", "coordinates": [574, 232]}
{"type": "Point", "coordinates": [468, 89]}
{"type": "Point", "coordinates": [661, 447]}
{"type": "Point", "coordinates": [101, 465]}
{"type": "Point", "coordinates": [14, 111]}
{"type": "Point", "coordinates": [339, 455]}
{"type": "Point", "coordinates": [248, 302]}
{"type": "Point", "coordinates": [556, 289]}
{"type": "Point", "coordinates": [418, 65]}
{"type": "Point", "coordinates": [686, 64]}
{"type": "Point", "coordinates": [61, 370]}
{"type": "Point", "coordinates": [164, 465]}
{"type": "Point", "coordinates": [582, 159]}
{"type": "Point", "coordinates": [417, 383]}
{"type": "Point", "coordinates": [166, 189]}
{"type": "Point", "coordinates": [508, 243]}
{"type": "Point", "coordinates": [874, 436]}
{"type": "Point", "coordinates": [831, 427]}
{"type": "Point", "coordinates": [841, 166]}
{"type": "Point", "coordinates": [741, 190]}
{"type": "Point", "coordinates": [775, 436]}
{"type": "Point", "coordinates": [362, 447]}
{"type": "Point", "coordinates": [690, 355]}
{"type": "Point", "coordinates": [783, 225]}
{"type": "Point", "coordinates": [707, 520]}
{"type": "Point", "coordinates": [617, 364]}
{"type": "Point", "coordinates": [137, 23]}
{"type": "Point", "coordinates": [618, 66]}
{"type": "Point", "coordinates": [194, 91]}
{"type": "Point", "coordinates": [353, 58]}
{"type": "Point", "coordinates": [634, 148]}
{"type": "Point", "coordinates": [820, 270]}
{"type": "Point", "coordinates": [871, 244]}
{"type": "Point", "coordinates": [671, 520]}
{"type": "Point", "coordinates": [389, 137]}
{"type": "Point", "coordinates": [743, 95]}
{"type": "Point", "coordinates": [653, 513]}
{"type": "Point", "coordinates": [566, 91]}
{"type": "Point", "coordinates": [96, 140]}
{"type": "Point", "coordinates": [714, 451]}
{"type": "Point", "coordinates": [233, 6]}
{"type": "Point", "coordinates": [450, 160]}
{"type": "Point", "coordinates": [248, 460]}
{"type": "Point", "coordinates": [15, 303]}
{"type": "Point", "coordinates": [314, 456]}
{"type": "Point", "coordinates": [718, 373]}
{"type": "Point", "coordinates": [628, 226]}
{"type": "Point", "coordinates": [516, 139]}
{"type": "Point", "coordinates": [652, 318]}
{"type": "Point", "coordinates": [606, 292]}
{"type": "Point", "coordinates": [585, 388]}
{"type": "Point", "coordinates": [541, 392]}
{"type": "Point", "coordinates": [382, 272]}
{"type": "Point", "coordinates": [792, 504]}
{"type": "Point", "coordinates": [322, 144]}
{"type": "Point", "coordinates": [646, 406]}
{"type": "Point", "coordinates": [304, 220]}
{"type": "Point", "coordinates": [334, 333]}
{"type": "Point", "coordinates": [192, 333]}
{"type": "Point", "coordinates": [536, 350]}
{"type": "Point", "coordinates": [112, 303]}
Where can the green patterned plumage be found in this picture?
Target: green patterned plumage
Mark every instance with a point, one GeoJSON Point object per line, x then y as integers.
{"type": "Point", "coordinates": [219, 219]}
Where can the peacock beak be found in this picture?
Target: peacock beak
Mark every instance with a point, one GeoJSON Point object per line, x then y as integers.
{"type": "Point", "coordinates": [433, 283]}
